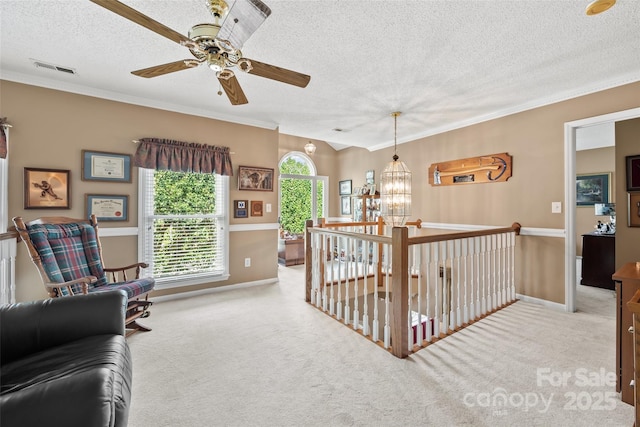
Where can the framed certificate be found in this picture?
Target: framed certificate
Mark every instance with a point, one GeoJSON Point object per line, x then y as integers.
{"type": "Point", "coordinates": [101, 166]}
{"type": "Point", "coordinates": [107, 207]}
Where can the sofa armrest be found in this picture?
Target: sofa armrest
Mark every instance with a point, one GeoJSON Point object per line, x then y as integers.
{"type": "Point", "coordinates": [30, 327]}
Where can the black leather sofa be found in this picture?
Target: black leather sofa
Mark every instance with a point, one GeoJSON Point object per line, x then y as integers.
{"type": "Point", "coordinates": [65, 362]}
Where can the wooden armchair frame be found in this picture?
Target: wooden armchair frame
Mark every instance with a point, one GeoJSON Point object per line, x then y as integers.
{"type": "Point", "coordinates": [137, 307]}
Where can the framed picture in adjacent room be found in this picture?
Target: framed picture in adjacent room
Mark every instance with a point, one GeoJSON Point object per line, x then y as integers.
{"type": "Point", "coordinates": [107, 207]}
{"type": "Point", "coordinates": [345, 187]}
{"type": "Point", "coordinates": [633, 173]}
{"type": "Point", "coordinates": [47, 188]}
{"type": "Point", "coordinates": [101, 166]}
{"type": "Point", "coordinates": [593, 188]}
{"type": "Point", "coordinates": [634, 210]}
{"type": "Point", "coordinates": [240, 209]}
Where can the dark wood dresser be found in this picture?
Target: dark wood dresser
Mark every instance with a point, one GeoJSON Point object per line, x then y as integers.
{"type": "Point", "coordinates": [627, 280]}
{"type": "Point", "coordinates": [598, 260]}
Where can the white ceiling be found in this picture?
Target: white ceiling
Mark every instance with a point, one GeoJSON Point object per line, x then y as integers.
{"type": "Point", "coordinates": [443, 63]}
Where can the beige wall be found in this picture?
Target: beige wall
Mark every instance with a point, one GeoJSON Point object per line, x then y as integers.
{"type": "Point", "coordinates": [599, 160]}
{"type": "Point", "coordinates": [51, 128]}
{"type": "Point", "coordinates": [627, 238]}
{"type": "Point", "coordinates": [535, 139]}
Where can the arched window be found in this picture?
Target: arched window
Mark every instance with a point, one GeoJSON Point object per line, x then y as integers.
{"type": "Point", "coordinates": [297, 163]}
{"type": "Point", "coordinates": [302, 193]}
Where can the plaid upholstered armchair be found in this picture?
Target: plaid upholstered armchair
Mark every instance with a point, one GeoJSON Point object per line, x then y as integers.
{"type": "Point", "coordinates": [68, 255]}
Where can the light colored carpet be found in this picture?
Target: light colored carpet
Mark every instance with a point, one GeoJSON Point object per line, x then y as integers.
{"type": "Point", "coordinates": [261, 356]}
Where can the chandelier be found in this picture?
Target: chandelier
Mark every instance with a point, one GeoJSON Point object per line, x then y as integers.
{"type": "Point", "coordinates": [395, 192]}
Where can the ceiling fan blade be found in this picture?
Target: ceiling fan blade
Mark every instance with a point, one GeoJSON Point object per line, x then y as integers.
{"type": "Point", "coordinates": [141, 19]}
{"type": "Point", "coordinates": [171, 67]}
{"type": "Point", "coordinates": [233, 90]}
{"type": "Point", "coordinates": [242, 21]}
{"type": "Point", "coordinates": [276, 73]}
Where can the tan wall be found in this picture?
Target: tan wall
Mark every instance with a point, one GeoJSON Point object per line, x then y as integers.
{"type": "Point", "coordinates": [51, 128]}
{"type": "Point", "coordinates": [535, 139]}
{"type": "Point", "coordinates": [627, 238]}
{"type": "Point", "coordinates": [599, 160]}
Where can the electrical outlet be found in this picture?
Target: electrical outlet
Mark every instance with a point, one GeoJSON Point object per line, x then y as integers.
{"type": "Point", "coordinates": [247, 262]}
{"type": "Point", "coordinates": [556, 207]}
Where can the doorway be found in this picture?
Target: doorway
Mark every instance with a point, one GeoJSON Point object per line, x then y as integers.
{"type": "Point", "coordinates": [570, 130]}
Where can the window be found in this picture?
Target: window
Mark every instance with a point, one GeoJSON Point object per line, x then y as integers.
{"type": "Point", "coordinates": [302, 193]}
{"type": "Point", "coordinates": [183, 227]}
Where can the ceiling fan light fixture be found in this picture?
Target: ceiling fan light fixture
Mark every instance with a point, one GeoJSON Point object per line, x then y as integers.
{"type": "Point", "coordinates": [310, 148]}
{"type": "Point", "coordinates": [599, 6]}
{"type": "Point", "coordinates": [215, 62]}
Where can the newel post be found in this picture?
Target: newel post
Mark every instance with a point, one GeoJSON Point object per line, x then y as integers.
{"type": "Point", "coordinates": [400, 291]}
{"type": "Point", "coordinates": [308, 259]}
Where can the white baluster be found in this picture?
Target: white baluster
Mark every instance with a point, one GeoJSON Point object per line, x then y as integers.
{"type": "Point", "coordinates": [457, 250]}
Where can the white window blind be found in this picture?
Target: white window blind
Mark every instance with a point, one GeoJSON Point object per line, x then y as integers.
{"type": "Point", "coordinates": [183, 227]}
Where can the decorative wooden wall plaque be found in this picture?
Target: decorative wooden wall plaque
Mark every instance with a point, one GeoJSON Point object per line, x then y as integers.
{"type": "Point", "coordinates": [474, 170]}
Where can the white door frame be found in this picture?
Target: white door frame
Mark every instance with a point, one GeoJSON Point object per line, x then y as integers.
{"type": "Point", "coordinates": [570, 195]}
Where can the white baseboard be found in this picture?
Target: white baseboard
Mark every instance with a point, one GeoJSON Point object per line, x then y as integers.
{"type": "Point", "coordinates": [543, 302]}
{"type": "Point", "coordinates": [182, 295]}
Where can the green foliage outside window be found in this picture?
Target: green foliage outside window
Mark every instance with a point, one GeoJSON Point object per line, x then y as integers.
{"type": "Point", "coordinates": [184, 245]}
{"type": "Point", "coordinates": [295, 203]}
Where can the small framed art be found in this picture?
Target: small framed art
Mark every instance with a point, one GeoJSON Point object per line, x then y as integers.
{"type": "Point", "coordinates": [345, 205]}
{"type": "Point", "coordinates": [240, 209]}
{"type": "Point", "coordinates": [633, 173]}
{"type": "Point", "coordinates": [345, 187]}
{"type": "Point", "coordinates": [107, 207]}
{"type": "Point", "coordinates": [101, 166]}
{"type": "Point", "coordinates": [47, 188]}
{"type": "Point", "coordinates": [256, 208]}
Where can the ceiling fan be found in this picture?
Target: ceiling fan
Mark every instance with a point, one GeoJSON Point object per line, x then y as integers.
{"type": "Point", "coordinates": [217, 45]}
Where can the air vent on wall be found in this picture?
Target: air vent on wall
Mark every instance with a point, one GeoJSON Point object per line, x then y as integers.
{"type": "Point", "coordinates": [41, 64]}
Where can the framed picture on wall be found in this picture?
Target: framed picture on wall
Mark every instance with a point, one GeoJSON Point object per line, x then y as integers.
{"type": "Point", "coordinates": [240, 209]}
{"type": "Point", "coordinates": [634, 210]}
{"type": "Point", "coordinates": [633, 173]}
{"type": "Point", "coordinates": [47, 188]}
{"type": "Point", "coordinates": [255, 178]}
{"type": "Point", "coordinates": [256, 208]}
{"type": "Point", "coordinates": [345, 187]}
{"type": "Point", "coordinates": [101, 166]}
{"type": "Point", "coordinates": [345, 205]}
{"type": "Point", "coordinates": [107, 207]}
{"type": "Point", "coordinates": [593, 188]}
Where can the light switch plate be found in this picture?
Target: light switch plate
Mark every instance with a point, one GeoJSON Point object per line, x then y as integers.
{"type": "Point", "coordinates": [267, 207]}
{"type": "Point", "coordinates": [556, 207]}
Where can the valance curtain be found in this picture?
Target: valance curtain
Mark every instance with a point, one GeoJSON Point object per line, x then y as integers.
{"type": "Point", "coordinates": [178, 156]}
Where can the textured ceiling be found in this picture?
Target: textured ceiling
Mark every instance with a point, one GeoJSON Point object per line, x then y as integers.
{"type": "Point", "coordinates": [444, 64]}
